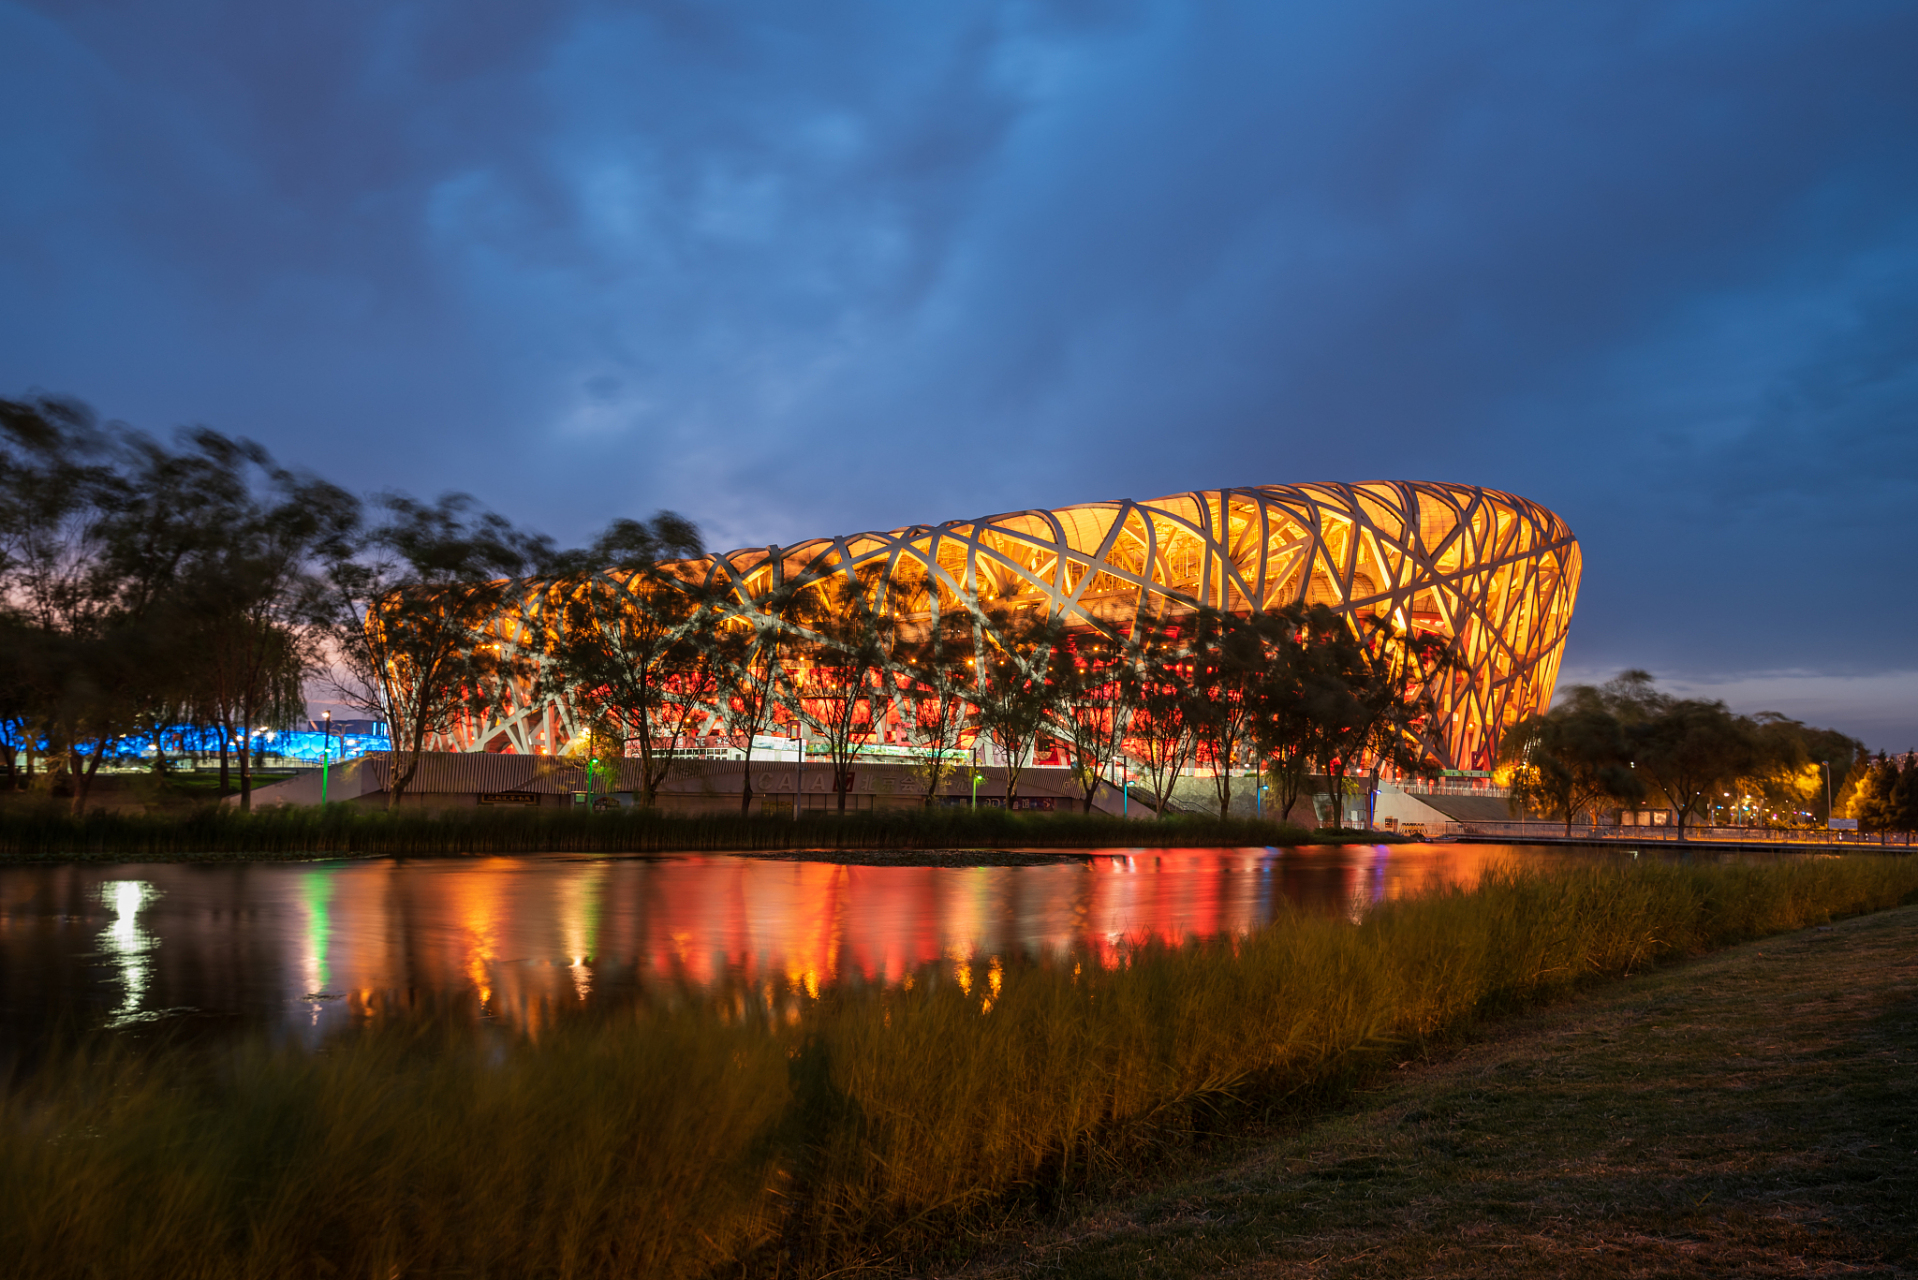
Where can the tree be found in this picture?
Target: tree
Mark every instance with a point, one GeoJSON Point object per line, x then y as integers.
{"type": "Point", "coordinates": [16, 705]}
{"type": "Point", "coordinates": [57, 488]}
{"type": "Point", "coordinates": [1569, 760]}
{"type": "Point", "coordinates": [1285, 734]}
{"type": "Point", "coordinates": [1230, 659]}
{"type": "Point", "coordinates": [749, 658]}
{"type": "Point", "coordinates": [1844, 757]}
{"type": "Point", "coordinates": [410, 608]}
{"type": "Point", "coordinates": [1014, 700]}
{"type": "Point", "coordinates": [936, 671]}
{"type": "Point", "coordinates": [849, 651]}
{"type": "Point", "coordinates": [1689, 749]}
{"type": "Point", "coordinates": [1397, 673]}
{"type": "Point", "coordinates": [1333, 677]}
{"type": "Point", "coordinates": [629, 643]}
{"type": "Point", "coordinates": [252, 608]}
{"type": "Point", "coordinates": [1792, 781]}
{"type": "Point", "coordinates": [108, 541]}
{"type": "Point", "coordinates": [1162, 728]}
{"type": "Point", "coordinates": [1092, 711]}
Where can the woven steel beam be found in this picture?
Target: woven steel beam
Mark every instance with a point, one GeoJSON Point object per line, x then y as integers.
{"type": "Point", "coordinates": [1493, 574]}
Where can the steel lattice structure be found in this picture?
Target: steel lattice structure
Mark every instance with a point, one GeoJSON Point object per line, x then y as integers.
{"type": "Point", "coordinates": [1494, 574]}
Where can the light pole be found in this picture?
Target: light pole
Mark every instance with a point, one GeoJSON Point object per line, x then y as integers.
{"type": "Point", "coordinates": [590, 762]}
{"type": "Point", "coordinates": [326, 741]}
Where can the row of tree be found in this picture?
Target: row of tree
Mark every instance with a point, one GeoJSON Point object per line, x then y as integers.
{"type": "Point", "coordinates": [148, 587]}
{"type": "Point", "coordinates": [1886, 796]}
{"type": "Point", "coordinates": [1626, 744]}
{"type": "Point", "coordinates": [649, 660]}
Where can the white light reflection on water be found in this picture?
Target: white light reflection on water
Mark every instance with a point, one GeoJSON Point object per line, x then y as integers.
{"type": "Point", "coordinates": [128, 945]}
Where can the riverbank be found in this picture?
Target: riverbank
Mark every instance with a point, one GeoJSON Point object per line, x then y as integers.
{"type": "Point", "coordinates": [781, 1128]}
{"type": "Point", "coordinates": [1752, 1113]}
{"type": "Point", "coordinates": [49, 834]}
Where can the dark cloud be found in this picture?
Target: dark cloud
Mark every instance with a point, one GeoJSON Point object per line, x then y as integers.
{"type": "Point", "coordinates": [807, 269]}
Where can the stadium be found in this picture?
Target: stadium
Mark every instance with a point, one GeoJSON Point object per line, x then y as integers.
{"type": "Point", "coordinates": [1494, 575]}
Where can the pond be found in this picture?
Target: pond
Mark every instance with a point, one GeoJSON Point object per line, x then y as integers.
{"type": "Point", "coordinates": [316, 946]}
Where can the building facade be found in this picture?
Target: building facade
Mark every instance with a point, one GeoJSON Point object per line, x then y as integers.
{"type": "Point", "coordinates": [1492, 574]}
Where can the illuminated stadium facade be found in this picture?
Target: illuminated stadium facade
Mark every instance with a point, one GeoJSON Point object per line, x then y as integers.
{"type": "Point", "coordinates": [1492, 574]}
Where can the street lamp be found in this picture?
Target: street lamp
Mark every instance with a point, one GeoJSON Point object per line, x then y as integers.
{"type": "Point", "coordinates": [326, 740]}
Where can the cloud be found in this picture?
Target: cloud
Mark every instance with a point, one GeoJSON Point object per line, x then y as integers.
{"type": "Point", "coordinates": [803, 271]}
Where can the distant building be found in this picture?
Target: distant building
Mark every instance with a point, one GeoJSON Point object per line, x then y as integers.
{"type": "Point", "coordinates": [1493, 574]}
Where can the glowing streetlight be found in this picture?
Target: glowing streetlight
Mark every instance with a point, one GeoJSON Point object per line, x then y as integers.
{"type": "Point", "coordinates": [326, 740]}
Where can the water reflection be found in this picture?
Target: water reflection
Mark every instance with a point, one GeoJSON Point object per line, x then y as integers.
{"type": "Point", "coordinates": [318, 945]}
{"type": "Point", "coordinates": [128, 945]}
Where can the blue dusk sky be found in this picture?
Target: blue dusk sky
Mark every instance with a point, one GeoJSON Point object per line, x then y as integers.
{"type": "Point", "coordinates": [799, 269]}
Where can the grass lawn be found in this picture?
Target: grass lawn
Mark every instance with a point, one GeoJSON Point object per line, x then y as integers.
{"type": "Point", "coordinates": [1752, 1113]}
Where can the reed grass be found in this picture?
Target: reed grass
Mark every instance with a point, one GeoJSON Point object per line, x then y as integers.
{"type": "Point", "coordinates": [45, 832]}
{"type": "Point", "coordinates": [768, 1131]}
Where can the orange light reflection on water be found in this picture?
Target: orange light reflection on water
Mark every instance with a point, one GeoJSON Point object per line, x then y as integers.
{"type": "Point", "coordinates": [327, 943]}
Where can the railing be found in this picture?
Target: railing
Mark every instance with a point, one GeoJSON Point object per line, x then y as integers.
{"type": "Point", "coordinates": [1421, 787]}
{"type": "Point", "coordinates": [1606, 834]}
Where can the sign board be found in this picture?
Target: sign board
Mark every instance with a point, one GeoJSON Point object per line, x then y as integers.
{"type": "Point", "coordinates": [1841, 824]}
{"type": "Point", "coordinates": [509, 797]}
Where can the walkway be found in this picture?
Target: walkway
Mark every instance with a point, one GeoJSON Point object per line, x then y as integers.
{"type": "Point", "coordinates": [1666, 837]}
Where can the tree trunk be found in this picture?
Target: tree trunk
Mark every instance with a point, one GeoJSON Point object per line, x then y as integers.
{"type": "Point", "coordinates": [246, 770]}
{"type": "Point", "coordinates": [396, 781]}
{"type": "Point", "coordinates": [83, 771]}
{"type": "Point", "coordinates": [746, 785]}
{"type": "Point", "coordinates": [226, 785]}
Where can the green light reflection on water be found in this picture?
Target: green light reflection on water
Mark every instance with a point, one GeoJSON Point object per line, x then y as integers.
{"type": "Point", "coordinates": [316, 894]}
